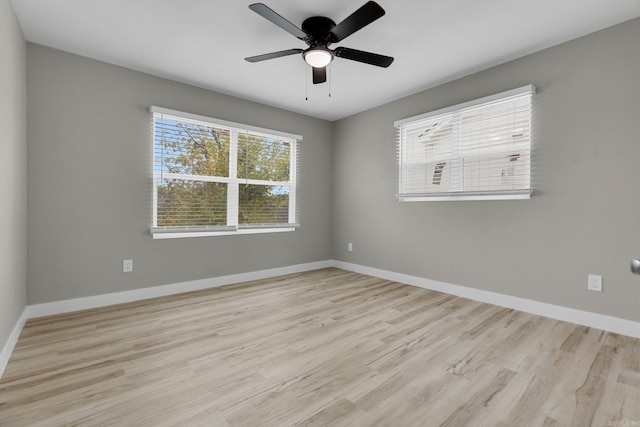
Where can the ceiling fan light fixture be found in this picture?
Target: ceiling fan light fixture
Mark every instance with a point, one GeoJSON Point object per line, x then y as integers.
{"type": "Point", "coordinates": [318, 32]}
{"type": "Point", "coordinates": [318, 56]}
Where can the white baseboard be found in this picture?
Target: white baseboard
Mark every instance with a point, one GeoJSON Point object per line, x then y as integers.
{"type": "Point", "coordinates": [593, 320]}
{"type": "Point", "coordinates": [580, 317]}
{"type": "Point", "coordinates": [65, 306]}
{"type": "Point", "coordinates": [8, 347]}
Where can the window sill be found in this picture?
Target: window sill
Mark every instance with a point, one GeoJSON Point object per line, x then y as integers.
{"type": "Point", "coordinates": [515, 195]}
{"type": "Point", "coordinates": [186, 234]}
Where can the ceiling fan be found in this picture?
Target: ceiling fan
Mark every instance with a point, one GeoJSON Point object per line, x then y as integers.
{"type": "Point", "coordinates": [318, 32]}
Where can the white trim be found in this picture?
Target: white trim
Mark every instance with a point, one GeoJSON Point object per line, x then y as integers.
{"type": "Point", "coordinates": [201, 178]}
{"type": "Point", "coordinates": [10, 344]}
{"type": "Point", "coordinates": [57, 307]}
{"type": "Point", "coordinates": [513, 92]}
{"type": "Point", "coordinates": [233, 188]}
{"type": "Point", "coordinates": [580, 317]}
{"type": "Point", "coordinates": [445, 197]}
{"type": "Point", "coordinates": [233, 231]}
{"type": "Point", "coordinates": [222, 123]}
{"type": "Point", "coordinates": [293, 172]}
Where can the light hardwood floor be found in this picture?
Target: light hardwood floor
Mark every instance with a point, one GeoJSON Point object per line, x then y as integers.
{"type": "Point", "coordinates": [327, 347]}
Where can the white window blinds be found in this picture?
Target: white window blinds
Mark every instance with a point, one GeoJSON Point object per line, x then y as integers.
{"type": "Point", "coordinates": [477, 150]}
{"type": "Point", "coordinates": [212, 176]}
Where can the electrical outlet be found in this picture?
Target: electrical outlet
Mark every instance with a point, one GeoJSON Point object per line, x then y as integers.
{"type": "Point", "coordinates": [127, 266]}
{"type": "Point", "coordinates": [594, 283]}
{"type": "Point", "coordinates": [350, 247]}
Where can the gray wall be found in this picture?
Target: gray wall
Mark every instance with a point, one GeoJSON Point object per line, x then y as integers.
{"type": "Point", "coordinates": [585, 214]}
{"type": "Point", "coordinates": [89, 185]}
{"type": "Point", "coordinates": [13, 178]}
{"type": "Point", "coordinates": [89, 188]}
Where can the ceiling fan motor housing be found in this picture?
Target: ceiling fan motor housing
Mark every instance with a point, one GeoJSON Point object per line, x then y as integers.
{"type": "Point", "coordinates": [318, 29]}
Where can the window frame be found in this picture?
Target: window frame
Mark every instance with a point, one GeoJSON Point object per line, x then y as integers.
{"type": "Point", "coordinates": [457, 157]}
{"type": "Point", "coordinates": [233, 181]}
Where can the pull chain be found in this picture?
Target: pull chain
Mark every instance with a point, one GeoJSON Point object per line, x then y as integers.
{"type": "Point", "coordinates": [306, 86]}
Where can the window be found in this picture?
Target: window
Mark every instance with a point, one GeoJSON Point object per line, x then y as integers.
{"type": "Point", "coordinates": [215, 177]}
{"type": "Point", "coordinates": [479, 150]}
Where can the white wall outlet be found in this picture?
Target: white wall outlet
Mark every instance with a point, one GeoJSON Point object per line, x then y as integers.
{"type": "Point", "coordinates": [127, 266]}
{"type": "Point", "coordinates": [594, 283]}
{"type": "Point", "coordinates": [350, 247]}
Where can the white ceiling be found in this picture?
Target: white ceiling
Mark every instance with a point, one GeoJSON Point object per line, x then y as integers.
{"type": "Point", "coordinates": [204, 42]}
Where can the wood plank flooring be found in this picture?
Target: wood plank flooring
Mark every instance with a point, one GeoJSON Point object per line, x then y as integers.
{"type": "Point", "coordinates": [322, 348]}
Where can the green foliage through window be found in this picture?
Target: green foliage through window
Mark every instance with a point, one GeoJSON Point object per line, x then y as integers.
{"type": "Point", "coordinates": [208, 175]}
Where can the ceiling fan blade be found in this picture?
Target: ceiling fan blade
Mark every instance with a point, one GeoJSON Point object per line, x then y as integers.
{"type": "Point", "coordinates": [268, 14]}
{"type": "Point", "coordinates": [362, 56]}
{"type": "Point", "coordinates": [319, 75]}
{"type": "Point", "coordinates": [273, 55]}
{"type": "Point", "coordinates": [358, 19]}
